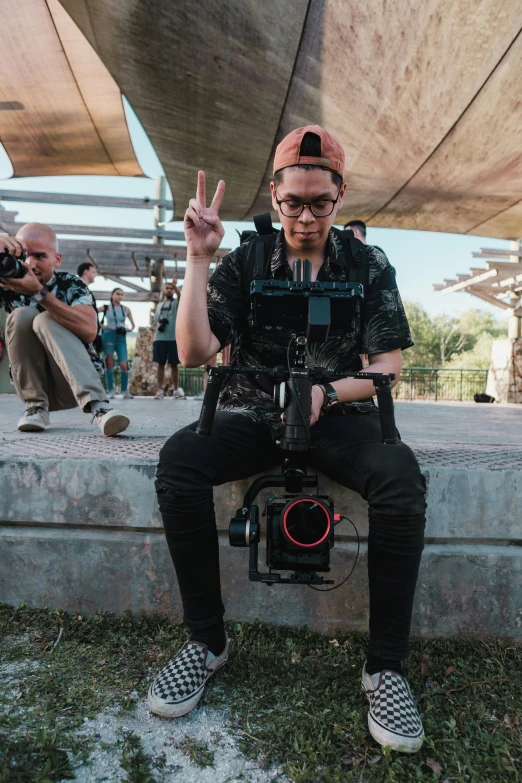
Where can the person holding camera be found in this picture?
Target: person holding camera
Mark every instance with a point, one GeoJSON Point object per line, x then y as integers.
{"type": "Point", "coordinates": [164, 347]}
{"type": "Point", "coordinates": [87, 272]}
{"type": "Point", "coordinates": [307, 191]}
{"type": "Point", "coordinates": [50, 329]}
{"type": "Point", "coordinates": [114, 340]}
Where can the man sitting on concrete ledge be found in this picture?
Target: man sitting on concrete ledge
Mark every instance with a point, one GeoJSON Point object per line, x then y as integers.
{"type": "Point", "coordinates": [50, 328]}
{"type": "Point", "coordinates": [307, 191]}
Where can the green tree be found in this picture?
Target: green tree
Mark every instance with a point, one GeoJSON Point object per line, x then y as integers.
{"type": "Point", "coordinates": [445, 340]}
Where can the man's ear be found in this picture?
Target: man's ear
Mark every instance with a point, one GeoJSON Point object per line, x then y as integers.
{"type": "Point", "coordinates": [273, 194]}
{"type": "Point", "coordinates": [342, 191]}
{"type": "Point", "coordinates": [58, 259]}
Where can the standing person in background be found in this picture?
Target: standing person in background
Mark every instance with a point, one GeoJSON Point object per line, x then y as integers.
{"type": "Point", "coordinates": [114, 339]}
{"type": "Point", "coordinates": [359, 229]}
{"type": "Point", "coordinates": [164, 347]}
{"type": "Point", "coordinates": [87, 272]}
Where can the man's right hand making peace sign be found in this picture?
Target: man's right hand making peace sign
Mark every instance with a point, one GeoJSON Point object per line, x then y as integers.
{"type": "Point", "coordinates": [203, 233]}
{"type": "Point", "coordinates": [203, 228]}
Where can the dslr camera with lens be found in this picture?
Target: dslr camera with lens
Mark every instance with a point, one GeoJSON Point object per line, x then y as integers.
{"type": "Point", "coordinates": [121, 330]}
{"type": "Point", "coordinates": [11, 267]}
{"type": "Point", "coordinates": [162, 324]}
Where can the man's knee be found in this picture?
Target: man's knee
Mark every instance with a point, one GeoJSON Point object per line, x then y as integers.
{"type": "Point", "coordinates": [182, 463]}
{"type": "Point", "coordinates": [44, 322]}
{"type": "Point", "coordinates": [21, 318]}
{"type": "Point", "coordinates": [397, 485]}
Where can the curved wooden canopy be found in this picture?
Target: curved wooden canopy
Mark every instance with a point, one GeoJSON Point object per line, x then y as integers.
{"type": "Point", "coordinates": [61, 112]}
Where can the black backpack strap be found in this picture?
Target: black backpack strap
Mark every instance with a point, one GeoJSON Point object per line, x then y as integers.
{"type": "Point", "coordinates": [356, 258]}
{"type": "Point", "coordinates": [259, 251]}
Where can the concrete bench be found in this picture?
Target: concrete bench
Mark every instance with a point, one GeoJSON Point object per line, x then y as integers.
{"type": "Point", "coordinates": [80, 530]}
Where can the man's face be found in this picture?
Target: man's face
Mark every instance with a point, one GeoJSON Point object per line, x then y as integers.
{"type": "Point", "coordinates": [168, 290]}
{"type": "Point", "coordinates": [41, 255]}
{"type": "Point", "coordinates": [89, 276]}
{"type": "Point", "coordinates": [306, 233]}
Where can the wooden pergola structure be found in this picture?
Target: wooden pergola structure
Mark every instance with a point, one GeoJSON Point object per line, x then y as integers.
{"type": "Point", "coordinates": [150, 260]}
{"type": "Point", "coordinates": [499, 283]}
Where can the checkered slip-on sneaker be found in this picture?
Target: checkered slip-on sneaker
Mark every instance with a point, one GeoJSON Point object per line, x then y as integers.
{"type": "Point", "coordinates": [393, 718]}
{"type": "Point", "coordinates": [180, 685]}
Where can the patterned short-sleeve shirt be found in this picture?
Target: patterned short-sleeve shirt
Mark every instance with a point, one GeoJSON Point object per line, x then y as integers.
{"type": "Point", "coordinates": [69, 289]}
{"type": "Point", "coordinates": [384, 327]}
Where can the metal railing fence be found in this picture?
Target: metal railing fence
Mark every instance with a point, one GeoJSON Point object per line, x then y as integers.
{"type": "Point", "coordinates": [438, 383]}
{"type": "Point", "coordinates": [416, 383]}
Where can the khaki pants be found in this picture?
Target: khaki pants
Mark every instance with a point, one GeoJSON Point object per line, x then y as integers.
{"type": "Point", "coordinates": [49, 364]}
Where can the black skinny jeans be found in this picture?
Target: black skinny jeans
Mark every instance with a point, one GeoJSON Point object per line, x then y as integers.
{"type": "Point", "coordinates": [346, 448]}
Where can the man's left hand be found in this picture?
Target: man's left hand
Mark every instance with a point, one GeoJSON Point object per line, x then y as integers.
{"type": "Point", "coordinates": [28, 285]}
{"type": "Point", "coordinates": [317, 402]}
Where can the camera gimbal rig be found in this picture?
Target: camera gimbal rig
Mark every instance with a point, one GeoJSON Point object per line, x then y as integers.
{"type": "Point", "coordinates": [300, 527]}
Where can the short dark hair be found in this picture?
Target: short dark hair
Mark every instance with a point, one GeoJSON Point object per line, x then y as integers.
{"type": "Point", "coordinates": [360, 225]}
{"type": "Point", "coordinates": [83, 267]}
{"type": "Point", "coordinates": [310, 148]}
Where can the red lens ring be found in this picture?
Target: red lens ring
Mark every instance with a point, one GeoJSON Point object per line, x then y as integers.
{"type": "Point", "coordinates": [302, 500]}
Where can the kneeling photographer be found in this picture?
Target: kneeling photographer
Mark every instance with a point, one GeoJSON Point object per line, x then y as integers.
{"type": "Point", "coordinates": [345, 432]}
{"type": "Point", "coordinates": [50, 329]}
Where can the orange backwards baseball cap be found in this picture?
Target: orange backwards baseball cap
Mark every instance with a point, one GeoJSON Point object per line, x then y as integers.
{"type": "Point", "coordinates": [288, 152]}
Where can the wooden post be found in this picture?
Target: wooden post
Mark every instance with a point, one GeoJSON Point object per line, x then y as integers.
{"type": "Point", "coordinates": [157, 268]}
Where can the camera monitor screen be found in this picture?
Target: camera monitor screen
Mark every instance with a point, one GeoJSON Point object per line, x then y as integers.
{"type": "Point", "coordinates": [292, 305]}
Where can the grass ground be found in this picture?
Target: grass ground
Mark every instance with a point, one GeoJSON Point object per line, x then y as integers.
{"type": "Point", "coordinates": [292, 699]}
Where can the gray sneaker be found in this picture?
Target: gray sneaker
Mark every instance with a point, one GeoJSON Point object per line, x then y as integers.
{"type": "Point", "coordinates": [180, 685]}
{"type": "Point", "coordinates": [110, 422]}
{"type": "Point", "coordinates": [393, 717]}
{"type": "Point", "coordinates": [111, 395]}
{"type": "Point", "coordinates": [126, 395]}
{"type": "Point", "coordinates": [35, 419]}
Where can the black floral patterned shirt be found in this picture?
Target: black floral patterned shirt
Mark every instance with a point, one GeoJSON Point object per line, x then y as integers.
{"type": "Point", "coordinates": [67, 288]}
{"type": "Point", "coordinates": [384, 328]}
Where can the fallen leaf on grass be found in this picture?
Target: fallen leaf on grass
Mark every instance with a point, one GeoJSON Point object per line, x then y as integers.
{"type": "Point", "coordinates": [334, 642]}
{"type": "Point", "coordinates": [424, 665]}
{"type": "Point", "coordinates": [511, 722]}
{"type": "Point", "coordinates": [434, 766]}
{"type": "Point", "coordinates": [449, 671]}
{"type": "Point", "coordinates": [295, 657]}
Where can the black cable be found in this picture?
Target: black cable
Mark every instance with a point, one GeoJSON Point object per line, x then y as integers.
{"type": "Point", "coordinates": [306, 424]}
{"type": "Point", "coordinates": [329, 589]}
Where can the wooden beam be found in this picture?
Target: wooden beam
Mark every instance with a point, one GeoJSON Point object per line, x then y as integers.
{"type": "Point", "coordinates": [130, 296]}
{"type": "Point", "coordinates": [120, 280]}
{"type": "Point", "coordinates": [497, 252]}
{"type": "Point", "coordinates": [465, 284]}
{"type": "Point", "coordinates": [102, 231]}
{"type": "Point", "coordinates": [32, 197]}
{"type": "Point", "coordinates": [489, 299]}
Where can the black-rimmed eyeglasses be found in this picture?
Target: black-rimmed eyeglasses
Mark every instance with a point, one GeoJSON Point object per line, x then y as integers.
{"type": "Point", "coordinates": [322, 207]}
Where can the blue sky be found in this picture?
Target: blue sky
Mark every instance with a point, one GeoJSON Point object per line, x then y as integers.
{"type": "Point", "coordinates": [420, 258]}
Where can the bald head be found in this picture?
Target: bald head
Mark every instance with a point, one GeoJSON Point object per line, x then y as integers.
{"type": "Point", "coordinates": [39, 232]}
{"type": "Point", "coordinates": [41, 246]}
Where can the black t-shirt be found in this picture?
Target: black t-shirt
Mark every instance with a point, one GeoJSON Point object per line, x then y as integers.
{"type": "Point", "coordinates": [384, 327]}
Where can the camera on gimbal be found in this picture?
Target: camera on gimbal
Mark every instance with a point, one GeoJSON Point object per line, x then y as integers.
{"type": "Point", "coordinates": [299, 524]}
{"type": "Point", "coordinates": [11, 267]}
{"type": "Point", "coordinates": [162, 324]}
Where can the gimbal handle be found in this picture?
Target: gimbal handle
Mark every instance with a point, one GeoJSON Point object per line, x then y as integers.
{"type": "Point", "coordinates": [382, 383]}
{"type": "Point", "coordinates": [210, 401]}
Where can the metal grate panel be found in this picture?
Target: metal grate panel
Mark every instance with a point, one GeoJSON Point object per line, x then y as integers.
{"type": "Point", "coordinates": [146, 448]}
